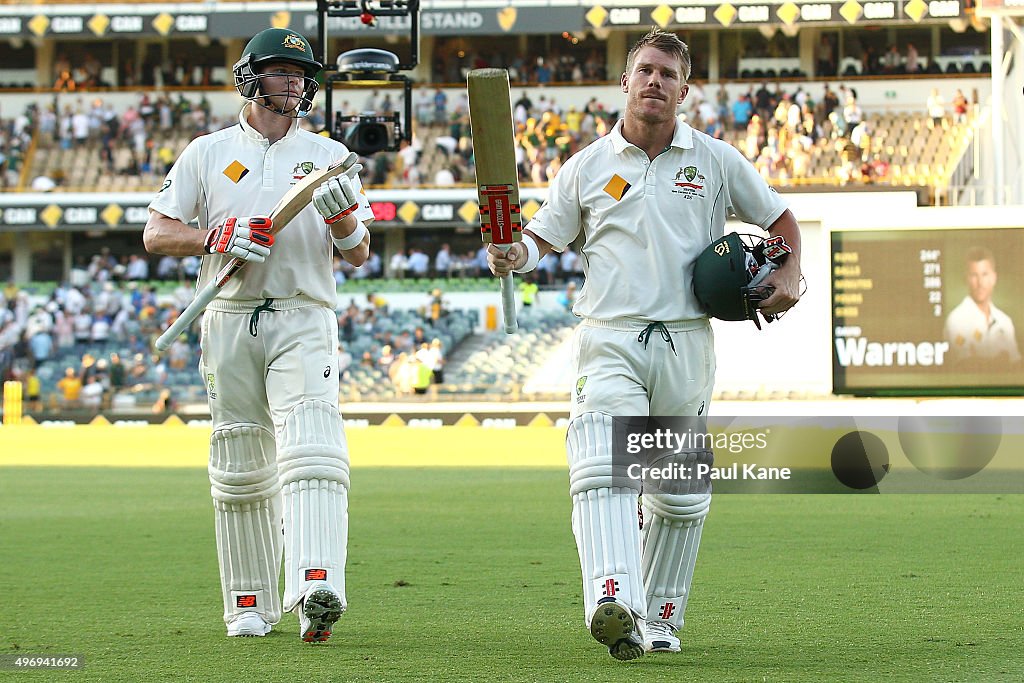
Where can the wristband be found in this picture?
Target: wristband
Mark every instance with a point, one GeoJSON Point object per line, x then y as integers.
{"type": "Point", "coordinates": [351, 241]}
{"type": "Point", "coordinates": [532, 255]}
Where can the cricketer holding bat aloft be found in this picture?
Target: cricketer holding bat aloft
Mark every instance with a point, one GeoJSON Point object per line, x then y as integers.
{"type": "Point", "coordinates": [648, 198]}
{"type": "Point", "coordinates": [269, 341]}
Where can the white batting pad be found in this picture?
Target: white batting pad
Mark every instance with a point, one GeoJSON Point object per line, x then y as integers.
{"type": "Point", "coordinates": [313, 466]}
{"type": "Point", "coordinates": [672, 530]}
{"type": "Point", "coordinates": [604, 518]}
{"type": "Point", "coordinates": [244, 485]}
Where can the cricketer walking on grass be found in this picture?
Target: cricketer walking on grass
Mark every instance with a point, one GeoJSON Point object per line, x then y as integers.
{"type": "Point", "coordinates": [648, 198]}
{"type": "Point", "coordinates": [278, 453]}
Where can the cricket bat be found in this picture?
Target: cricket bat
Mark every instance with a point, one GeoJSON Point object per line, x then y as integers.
{"type": "Point", "coordinates": [497, 180]}
{"type": "Point", "coordinates": [293, 201]}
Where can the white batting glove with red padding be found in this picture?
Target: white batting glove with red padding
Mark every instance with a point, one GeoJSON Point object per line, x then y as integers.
{"type": "Point", "coordinates": [338, 197]}
{"type": "Point", "coordinates": [246, 238]}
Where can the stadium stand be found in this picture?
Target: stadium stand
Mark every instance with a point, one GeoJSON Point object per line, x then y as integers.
{"type": "Point", "coordinates": [804, 129]}
{"type": "Point", "coordinates": [59, 330]}
{"type": "Point", "coordinates": [826, 147]}
{"type": "Point", "coordinates": [497, 362]}
{"type": "Point", "coordinates": [792, 138]}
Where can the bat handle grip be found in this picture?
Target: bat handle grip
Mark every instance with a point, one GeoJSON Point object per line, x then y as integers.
{"type": "Point", "coordinates": [187, 317]}
{"type": "Point", "coordinates": [206, 295]}
{"type": "Point", "coordinates": [508, 299]}
{"type": "Point", "coordinates": [508, 304]}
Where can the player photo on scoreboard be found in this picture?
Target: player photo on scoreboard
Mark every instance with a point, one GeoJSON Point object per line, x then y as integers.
{"type": "Point", "coordinates": [927, 309]}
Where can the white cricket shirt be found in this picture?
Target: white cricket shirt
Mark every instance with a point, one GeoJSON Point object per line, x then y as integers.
{"type": "Point", "coordinates": [645, 222]}
{"type": "Point", "coordinates": [972, 335]}
{"type": "Point", "coordinates": [237, 172]}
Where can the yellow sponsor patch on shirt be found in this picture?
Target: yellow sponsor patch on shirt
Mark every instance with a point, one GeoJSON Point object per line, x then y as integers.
{"type": "Point", "coordinates": [617, 187]}
{"type": "Point", "coordinates": [235, 171]}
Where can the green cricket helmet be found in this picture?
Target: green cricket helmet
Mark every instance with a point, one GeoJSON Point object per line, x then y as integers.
{"type": "Point", "coordinates": [728, 275]}
{"type": "Point", "coordinates": [277, 45]}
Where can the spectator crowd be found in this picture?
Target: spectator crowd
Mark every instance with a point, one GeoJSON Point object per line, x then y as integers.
{"type": "Point", "coordinates": [782, 129]}
{"type": "Point", "coordinates": [86, 343]}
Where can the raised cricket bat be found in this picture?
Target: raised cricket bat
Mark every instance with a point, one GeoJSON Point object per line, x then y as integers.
{"type": "Point", "coordinates": [293, 201]}
{"type": "Point", "coordinates": [497, 180]}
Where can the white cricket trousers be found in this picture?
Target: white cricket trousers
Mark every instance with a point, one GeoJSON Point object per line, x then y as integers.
{"type": "Point", "coordinates": [260, 379]}
{"type": "Point", "coordinates": [623, 370]}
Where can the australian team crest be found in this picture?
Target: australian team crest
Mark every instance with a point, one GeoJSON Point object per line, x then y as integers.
{"type": "Point", "coordinates": [294, 42]}
{"type": "Point", "coordinates": [580, 396]}
{"type": "Point", "coordinates": [301, 170]}
{"type": "Point", "coordinates": [689, 182]}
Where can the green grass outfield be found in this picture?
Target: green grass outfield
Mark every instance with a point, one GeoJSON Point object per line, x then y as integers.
{"type": "Point", "coordinates": [471, 575]}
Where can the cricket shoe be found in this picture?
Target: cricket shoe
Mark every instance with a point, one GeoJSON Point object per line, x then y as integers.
{"type": "Point", "coordinates": [248, 625]}
{"type": "Point", "coordinates": [320, 609]}
{"type": "Point", "coordinates": [613, 625]}
{"type": "Point", "coordinates": [660, 637]}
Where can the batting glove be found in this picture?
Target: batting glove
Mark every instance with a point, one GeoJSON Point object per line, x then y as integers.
{"type": "Point", "coordinates": [246, 238]}
{"type": "Point", "coordinates": [337, 197]}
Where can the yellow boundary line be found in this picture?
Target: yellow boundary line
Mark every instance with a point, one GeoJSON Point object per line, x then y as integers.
{"type": "Point", "coordinates": [177, 445]}
{"type": "Point", "coordinates": [101, 445]}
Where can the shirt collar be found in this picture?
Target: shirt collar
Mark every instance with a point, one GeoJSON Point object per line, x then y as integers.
{"type": "Point", "coordinates": [994, 314]}
{"type": "Point", "coordinates": [681, 138]}
{"type": "Point", "coordinates": [252, 133]}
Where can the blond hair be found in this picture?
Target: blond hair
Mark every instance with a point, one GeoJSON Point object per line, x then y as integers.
{"type": "Point", "coordinates": [668, 43]}
{"type": "Point", "coordinates": [975, 254]}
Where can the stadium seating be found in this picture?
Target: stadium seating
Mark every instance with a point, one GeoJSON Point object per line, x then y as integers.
{"type": "Point", "coordinates": [918, 153]}
{"type": "Point", "coordinates": [503, 364]}
{"type": "Point", "coordinates": [370, 382]}
{"type": "Point", "coordinates": [82, 168]}
{"type": "Point", "coordinates": [144, 384]}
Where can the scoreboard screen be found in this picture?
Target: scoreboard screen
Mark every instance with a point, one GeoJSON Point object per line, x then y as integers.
{"type": "Point", "coordinates": [934, 312]}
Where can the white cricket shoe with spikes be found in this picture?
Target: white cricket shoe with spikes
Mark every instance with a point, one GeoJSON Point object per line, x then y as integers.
{"type": "Point", "coordinates": [319, 610]}
{"type": "Point", "coordinates": [660, 637]}
{"type": "Point", "coordinates": [248, 625]}
{"type": "Point", "coordinates": [613, 625]}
